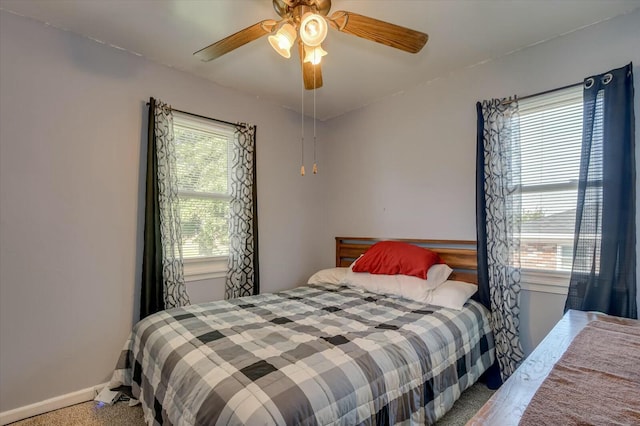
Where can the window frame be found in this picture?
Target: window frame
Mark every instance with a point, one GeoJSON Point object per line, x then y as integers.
{"type": "Point", "coordinates": [545, 281]}
{"type": "Point", "coordinates": [206, 267]}
{"type": "Point", "coordinates": [555, 281]}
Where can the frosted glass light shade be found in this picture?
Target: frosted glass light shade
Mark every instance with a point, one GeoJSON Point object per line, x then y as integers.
{"type": "Point", "coordinates": [313, 29]}
{"type": "Point", "coordinates": [314, 54]}
{"type": "Point", "coordinates": [283, 40]}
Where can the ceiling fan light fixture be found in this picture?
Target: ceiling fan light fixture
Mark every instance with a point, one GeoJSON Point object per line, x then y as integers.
{"type": "Point", "coordinates": [314, 54]}
{"type": "Point", "coordinates": [313, 29]}
{"type": "Point", "coordinates": [283, 40]}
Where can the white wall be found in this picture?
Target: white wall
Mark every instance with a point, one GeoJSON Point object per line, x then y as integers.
{"type": "Point", "coordinates": [72, 152]}
{"type": "Point", "coordinates": [405, 166]}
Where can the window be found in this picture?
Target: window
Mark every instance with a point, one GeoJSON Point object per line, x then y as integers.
{"type": "Point", "coordinates": [550, 144]}
{"type": "Point", "coordinates": [203, 163]}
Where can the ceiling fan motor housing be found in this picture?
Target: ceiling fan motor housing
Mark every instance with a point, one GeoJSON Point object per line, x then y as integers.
{"type": "Point", "coordinates": [286, 8]}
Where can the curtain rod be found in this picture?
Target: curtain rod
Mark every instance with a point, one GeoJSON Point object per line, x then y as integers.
{"type": "Point", "coordinates": [205, 117]}
{"type": "Point", "coordinates": [508, 101]}
{"type": "Point", "coordinates": [208, 118]}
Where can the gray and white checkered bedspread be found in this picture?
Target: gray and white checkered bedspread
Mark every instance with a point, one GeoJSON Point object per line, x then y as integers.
{"type": "Point", "coordinates": [314, 355]}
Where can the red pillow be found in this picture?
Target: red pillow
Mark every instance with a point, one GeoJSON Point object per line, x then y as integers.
{"type": "Point", "coordinates": [394, 257]}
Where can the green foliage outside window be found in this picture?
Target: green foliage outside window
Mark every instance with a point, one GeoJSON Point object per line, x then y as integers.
{"type": "Point", "coordinates": [203, 177]}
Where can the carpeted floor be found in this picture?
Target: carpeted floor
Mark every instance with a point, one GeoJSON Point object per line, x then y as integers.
{"type": "Point", "coordinates": [469, 404]}
{"type": "Point", "coordinates": [90, 414]}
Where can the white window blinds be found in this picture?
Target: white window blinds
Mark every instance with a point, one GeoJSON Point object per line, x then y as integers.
{"type": "Point", "coordinates": [551, 143]}
{"type": "Point", "coordinates": [202, 160]}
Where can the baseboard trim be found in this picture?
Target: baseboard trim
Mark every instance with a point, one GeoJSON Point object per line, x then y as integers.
{"type": "Point", "coordinates": [50, 404]}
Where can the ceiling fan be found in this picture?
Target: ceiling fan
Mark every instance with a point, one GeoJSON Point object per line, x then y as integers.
{"type": "Point", "coordinates": [307, 21]}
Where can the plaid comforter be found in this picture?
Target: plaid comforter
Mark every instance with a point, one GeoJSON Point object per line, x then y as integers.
{"type": "Point", "coordinates": [313, 355]}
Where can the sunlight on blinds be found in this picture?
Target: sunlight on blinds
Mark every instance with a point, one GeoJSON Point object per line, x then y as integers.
{"type": "Point", "coordinates": [551, 142]}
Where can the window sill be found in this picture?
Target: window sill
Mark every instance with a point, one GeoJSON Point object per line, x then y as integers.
{"type": "Point", "coordinates": [205, 268]}
{"type": "Point", "coordinates": [554, 282]}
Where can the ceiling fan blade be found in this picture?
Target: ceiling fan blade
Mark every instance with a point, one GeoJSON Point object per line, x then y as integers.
{"type": "Point", "coordinates": [311, 74]}
{"type": "Point", "coordinates": [236, 40]}
{"type": "Point", "coordinates": [379, 31]}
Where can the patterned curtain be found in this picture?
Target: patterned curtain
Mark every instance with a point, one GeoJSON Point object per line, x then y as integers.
{"type": "Point", "coordinates": [162, 270]}
{"type": "Point", "coordinates": [498, 224]}
{"type": "Point", "coordinates": [242, 273]}
{"type": "Point", "coordinates": [603, 276]}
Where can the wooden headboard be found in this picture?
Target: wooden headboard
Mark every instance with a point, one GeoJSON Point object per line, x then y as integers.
{"type": "Point", "coordinates": [460, 255]}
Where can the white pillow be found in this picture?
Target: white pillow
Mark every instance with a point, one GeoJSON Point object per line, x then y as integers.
{"type": "Point", "coordinates": [436, 275]}
{"type": "Point", "coordinates": [452, 294]}
{"type": "Point", "coordinates": [328, 276]}
{"type": "Point", "coordinates": [405, 286]}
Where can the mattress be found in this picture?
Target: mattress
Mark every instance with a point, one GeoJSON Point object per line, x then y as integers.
{"type": "Point", "coordinates": [313, 355]}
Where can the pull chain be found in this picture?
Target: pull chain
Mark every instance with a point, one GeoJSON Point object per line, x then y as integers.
{"type": "Point", "coordinates": [315, 165]}
{"type": "Point", "coordinates": [302, 135]}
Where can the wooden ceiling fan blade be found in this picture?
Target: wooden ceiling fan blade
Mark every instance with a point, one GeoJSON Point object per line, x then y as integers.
{"type": "Point", "coordinates": [311, 74]}
{"type": "Point", "coordinates": [379, 31]}
{"type": "Point", "coordinates": [236, 40]}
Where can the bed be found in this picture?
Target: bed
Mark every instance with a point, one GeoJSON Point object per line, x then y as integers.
{"type": "Point", "coordinates": [320, 354]}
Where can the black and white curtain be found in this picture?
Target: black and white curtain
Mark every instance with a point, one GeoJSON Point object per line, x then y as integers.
{"type": "Point", "coordinates": [162, 268]}
{"type": "Point", "coordinates": [242, 273]}
{"type": "Point", "coordinates": [498, 203]}
{"type": "Point", "coordinates": [603, 276]}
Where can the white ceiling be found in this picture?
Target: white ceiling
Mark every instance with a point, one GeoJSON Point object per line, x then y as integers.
{"type": "Point", "coordinates": [356, 72]}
